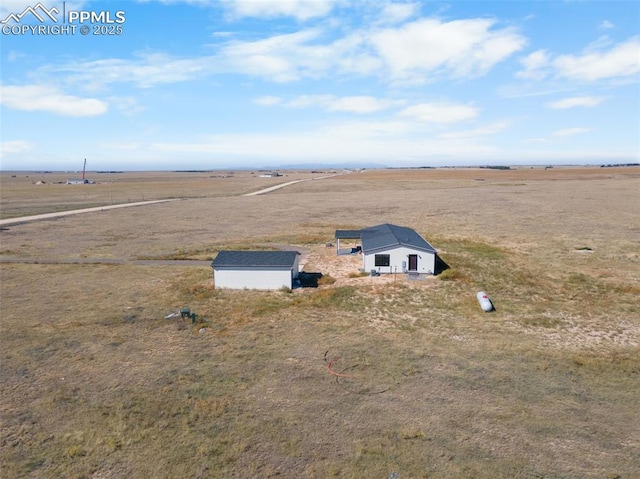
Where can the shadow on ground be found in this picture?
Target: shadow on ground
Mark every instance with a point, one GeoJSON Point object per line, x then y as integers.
{"type": "Point", "coordinates": [440, 265]}
{"type": "Point", "coordinates": [308, 280]}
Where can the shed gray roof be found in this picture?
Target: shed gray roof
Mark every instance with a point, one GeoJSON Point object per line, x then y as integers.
{"type": "Point", "coordinates": [388, 235]}
{"type": "Point", "coordinates": [257, 259]}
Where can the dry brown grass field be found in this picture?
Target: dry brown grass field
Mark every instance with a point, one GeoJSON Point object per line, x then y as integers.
{"type": "Point", "coordinates": [96, 383]}
{"type": "Point", "coordinates": [34, 193]}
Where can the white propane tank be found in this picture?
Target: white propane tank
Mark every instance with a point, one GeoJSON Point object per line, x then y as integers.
{"type": "Point", "coordinates": [485, 302]}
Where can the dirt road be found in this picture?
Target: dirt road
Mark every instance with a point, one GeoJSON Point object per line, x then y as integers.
{"type": "Point", "coordinates": [46, 216]}
{"type": "Point", "coordinates": [277, 187]}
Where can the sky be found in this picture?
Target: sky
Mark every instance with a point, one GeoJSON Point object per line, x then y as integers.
{"type": "Point", "coordinates": [203, 84]}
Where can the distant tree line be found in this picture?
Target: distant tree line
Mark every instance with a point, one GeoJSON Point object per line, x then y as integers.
{"type": "Point", "coordinates": [619, 164]}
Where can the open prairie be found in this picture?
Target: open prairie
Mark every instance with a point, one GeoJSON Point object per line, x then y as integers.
{"type": "Point", "coordinates": [362, 377]}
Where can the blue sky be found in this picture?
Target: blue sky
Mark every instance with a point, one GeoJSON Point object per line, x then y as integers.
{"type": "Point", "coordinates": [200, 84]}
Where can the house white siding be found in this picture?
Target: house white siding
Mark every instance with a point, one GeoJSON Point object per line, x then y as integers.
{"type": "Point", "coordinates": [253, 278]}
{"type": "Point", "coordinates": [399, 260]}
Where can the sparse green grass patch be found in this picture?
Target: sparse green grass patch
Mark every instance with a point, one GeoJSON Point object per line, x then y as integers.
{"type": "Point", "coordinates": [452, 274]}
{"type": "Point", "coordinates": [481, 251]}
{"type": "Point", "coordinates": [360, 274]}
{"type": "Point", "coordinates": [325, 280]}
{"type": "Point", "coordinates": [542, 322]}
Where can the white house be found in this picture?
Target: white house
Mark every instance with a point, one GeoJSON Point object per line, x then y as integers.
{"type": "Point", "coordinates": [389, 248]}
{"type": "Point", "coordinates": [255, 269]}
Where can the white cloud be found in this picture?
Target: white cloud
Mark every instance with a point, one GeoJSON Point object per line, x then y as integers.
{"type": "Point", "coordinates": [440, 112]}
{"type": "Point", "coordinates": [601, 43]}
{"type": "Point", "coordinates": [480, 131]}
{"type": "Point", "coordinates": [396, 143]}
{"type": "Point", "coordinates": [359, 104]}
{"type": "Point", "coordinates": [17, 6]}
{"type": "Point", "coordinates": [121, 146]}
{"type": "Point", "coordinates": [302, 54]}
{"type": "Point", "coordinates": [606, 25]}
{"type": "Point", "coordinates": [306, 101]}
{"type": "Point", "coordinates": [622, 60]}
{"type": "Point", "coordinates": [380, 142]}
{"type": "Point", "coordinates": [371, 130]}
{"type": "Point", "coordinates": [281, 58]}
{"type": "Point", "coordinates": [13, 55]}
{"type": "Point", "coordinates": [525, 90]}
{"type": "Point", "coordinates": [14, 6]}
{"type": "Point", "coordinates": [354, 104]}
{"type": "Point", "coordinates": [410, 52]}
{"type": "Point", "coordinates": [428, 47]}
{"type": "Point", "coordinates": [299, 9]}
{"type": "Point", "coordinates": [571, 131]}
{"type": "Point", "coordinates": [267, 100]}
{"type": "Point", "coordinates": [148, 70]}
{"type": "Point", "coordinates": [599, 60]}
{"type": "Point", "coordinates": [49, 99]}
{"type": "Point", "coordinates": [535, 65]}
{"type": "Point", "coordinates": [127, 105]}
{"type": "Point", "coordinates": [535, 140]}
{"type": "Point", "coordinates": [353, 54]}
{"type": "Point", "coordinates": [586, 101]}
{"type": "Point", "coordinates": [222, 34]}
{"type": "Point", "coordinates": [15, 146]}
{"type": "Point", "coordinates": [415, 52]}
{"type": "Point", "coordinates": [397, 12]}
{"type": "Point", "coordinates": [188, 2]}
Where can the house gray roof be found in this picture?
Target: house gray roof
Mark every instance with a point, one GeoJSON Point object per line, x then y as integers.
{"type": "Point", "coordinates": [257, 259]}
{"type": "Point", "coordinates": [388, 235]}
{"type": "Point", "coordinates": [348, 234]}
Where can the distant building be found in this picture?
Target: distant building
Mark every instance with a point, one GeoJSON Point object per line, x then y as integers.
{"type": "Point", "coordinates": [81, 182]}
{"type": "Point", "coordinates": [255, 269]}
{"type": "Point", "coordinates": [274, 174]}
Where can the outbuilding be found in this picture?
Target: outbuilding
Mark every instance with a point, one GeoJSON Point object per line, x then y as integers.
{"type": "Point", "coordinates": [255, 269]}
{"type": "Point", "coordinates": [389, 248]}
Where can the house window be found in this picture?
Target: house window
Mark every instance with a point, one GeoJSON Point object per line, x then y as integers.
{"type": "Point", "coordinates": [383, 260]}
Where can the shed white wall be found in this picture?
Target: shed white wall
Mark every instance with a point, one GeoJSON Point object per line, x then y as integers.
{"type": "Point", "coordinates": [426, 261]}
{"type": "Point", "coordinates": [253, 279]}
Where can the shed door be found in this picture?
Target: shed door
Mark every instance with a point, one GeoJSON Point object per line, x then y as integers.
{"type": "Point", "coordinates": [413, 262]}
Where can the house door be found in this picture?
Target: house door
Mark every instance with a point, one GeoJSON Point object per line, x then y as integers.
{"type": "Point", "coordinates": [413, 262]}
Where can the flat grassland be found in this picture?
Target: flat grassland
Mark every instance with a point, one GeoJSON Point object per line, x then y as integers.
{"type": "Point", "coordinates": [360, 378]}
